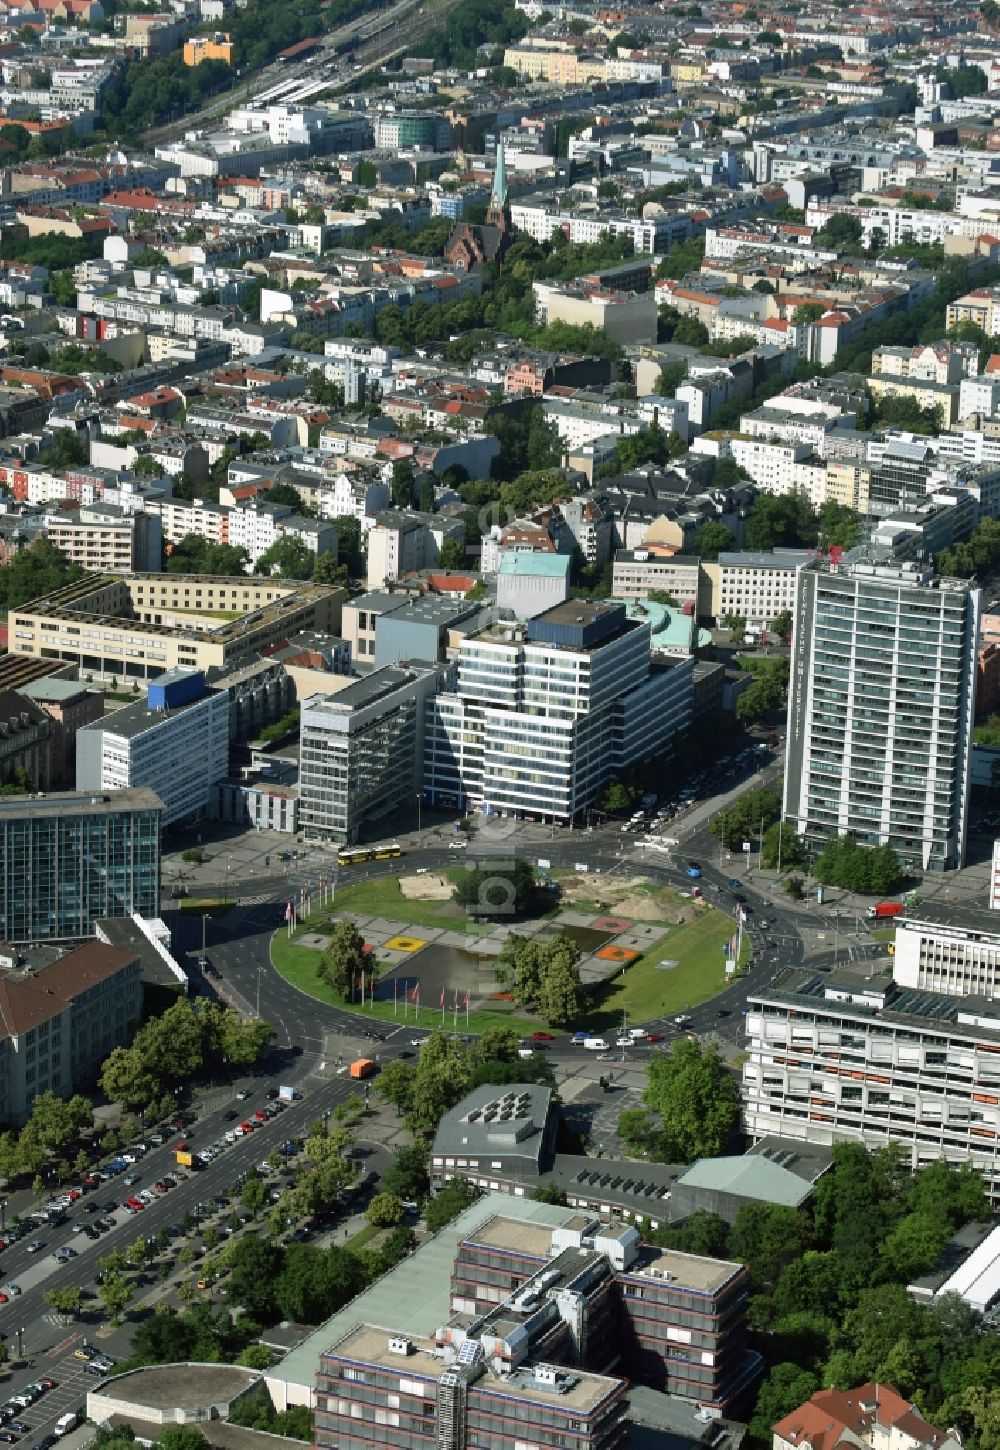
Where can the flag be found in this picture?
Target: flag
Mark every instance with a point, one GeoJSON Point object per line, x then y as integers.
{"type": "Point", "coordinates": [413, 994]}
{"type": "Point", "coordinates": [466, 1001]}
{"type": "Point", "coordinates": [442, 999]}
{"type": "Point", "coordinates": [288, 912]}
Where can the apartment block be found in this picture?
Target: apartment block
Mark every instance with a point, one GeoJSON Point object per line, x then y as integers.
{"type": "Point", "coordinates": [361, 751]}
{"type": "Point", "coordinates": [756, 587]}
{"type": "Point", "coordinates": [880, 709]}
{"type": "Point", "coordinates": [403, 543]}
{"type": "Point", "coordinates": [175, 742]}
{"type": "Point", "coordinates": [67, 859]}
{"type": "Point", "coordinates": [852, 1055]}
{"type": "Point", "coordinates": [105, 540]}
{"type": "Point", "coordinates": [545, 712]}
{"type": "Point", "coordinates": [61, 1013]}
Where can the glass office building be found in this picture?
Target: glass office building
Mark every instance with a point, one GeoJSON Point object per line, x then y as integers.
{"type": "Point", "coordinates": [68, 859]}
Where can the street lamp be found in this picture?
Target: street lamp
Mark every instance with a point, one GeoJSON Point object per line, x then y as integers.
{"type": "Point", "coordinates": [419, 804]}
{"type": "Point", "coordinates": [3, 1214]}
{"type": "Point", "coordinates": [20, 1343]}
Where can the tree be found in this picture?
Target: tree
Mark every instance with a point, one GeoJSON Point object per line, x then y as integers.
{"type": "Point", "coordinates": [345, 959]}
{"type": "Point", "coordinates": [315, 1283]}
{"type": "Point", "coordinates": [550, 1193]}
{"type": "Point", "coordinates": [451, 555]}
{"type": "Point", "coordinates": [840, 230]}
{"type": "Point", "coordinates": [696, 1099]}
{"type": "Point", "coordinates": [406, 1176]}
{"type": "Point", "coordinates": [182, 1437]}
{"type": "Point", "coordinates": [255, 1356]}
{"type": "Point", "coordinates": [786, 1387]}
{"type": "Point", "coordinates": [65, 1301]}
{"type": "Point", "coordinates": [561, 990]}
{"type": "Point", "coordinates": [839, 526]}
{"type": "Point", "coordinates": [713, 539]}
{"type": "Point", "coordinates": [737, 626]}
{"type": "Point", "coordinates": [401, 488]}
{"type": "Point", "coordinates": [253, 1195]}
{"type": "Point", "coordinates": [385, 1210]}
{"type": "Point", "coordinates": [781, 520]}
{"type": "Point", "coordinates": [125, 1078]}
{"type": "Point", "coordinates": [781, 624]}
{"type": "Point", "coordinates": [766, 1237]}
{"type": "Point", "coordinates": [34, 571]}
{"type": "Point", "coordinates": [285, 493]}
{"type": "Point", "coordinates": [288, 558]}
{"type": "Point", "coordinates": [448, 1204]}
{"type": "Point", "coordinates": [782, 844]}
{"type": "Point", "coordinates": [255, 1266]}
{"type": "Point", "coordinates": [807, 312]}
{"type": "Point", "coordinates": [617, 796]}
{"type": "Point", "coordinates": [116, 1293]}
{"type": "Point", "coordinates": [506, 889]}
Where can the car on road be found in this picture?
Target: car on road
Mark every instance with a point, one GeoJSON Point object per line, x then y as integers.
{"type": "Point", "coordinates": [242, 1095]}
{"type": "Point", "coordinates": [36, 1246]}
{"type": "Point", "coordinates": [723, 1012]}
{"type": "Point", "coordinates": [130, 1179]}
{"type": "Point", "coordinates": [230, 1117]}
{"type": "Point", "coordinates": [735, 883]}
{"type": "Point", "coordinates": [542, 1037]}
{"type": "Point", "coordinates": [12, 1290]}
{"type": "Point", "coordinates": [624, 1042]}
{"type": "Point", "coordinates": [8, 1437]}
{"type": "Point", "coordinates": [579, 1038]}
{"type": "Point", "coordinates": [654, 1037]}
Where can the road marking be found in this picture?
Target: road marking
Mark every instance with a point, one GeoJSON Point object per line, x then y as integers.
{"type": "Point", "coordinates": [61, 1348]}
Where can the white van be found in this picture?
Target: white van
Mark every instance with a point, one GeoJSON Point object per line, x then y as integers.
{"type": "Point", "coordinates": [66, 1423]}
{"type": "Point", "coordinates": [595, 1044]}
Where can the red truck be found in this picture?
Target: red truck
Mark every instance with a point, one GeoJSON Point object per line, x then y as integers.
{"type": "Point", "coordinates": [883, 909]}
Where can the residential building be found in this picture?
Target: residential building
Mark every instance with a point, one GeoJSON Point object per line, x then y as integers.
{"type": "Point", "coordinates": [853, 1055]}
{"type": "Point", "coordinates": [403, 543]}
{"type": "Point", "coordinates": [361, 751]}
{"type": "Point", "coordinates": [545, 712]}
{"type": "Point", "coordinates": [871, 1414]}
{"type": "Point", "coordinates": [175, 742]}
{"type": "Point", "coordinates": [638, 572]}
{"type": "Point", "coordinates": [25, 736]}
{"type": "Point", "coordinates": [61, 1014]}
{"type": "Point", "coordinates": [69, 705]}
{"type": "Point", "coordinates": [137, 627]}
{"type": "Point", "coordinates": [880, 709]}
{"type": "Point", "coordinates": [104, 539]}
{"type": "Point", "coordinates": [69, 858]}
{"type": "Point", "coordinates": [755, 586]}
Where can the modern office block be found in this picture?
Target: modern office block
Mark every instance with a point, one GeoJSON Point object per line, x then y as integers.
{"type": "Point", "coordinates": [70, 858]}
{"type": "Point", "coordinates": [361, 751]}
{"type": "Point", "coordinates": [880, 709]}
{"type": "Point", "coordinates": [545, 712]}
{"type": "Point", "coordinates": [673, 1321]}
{"type": "Point", "coordinates": [176, 742]}
{"type": "Point", "coordinates": [855, 1056]}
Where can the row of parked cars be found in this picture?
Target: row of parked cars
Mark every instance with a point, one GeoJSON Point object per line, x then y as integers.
{"type": "Point", "coordinates": [12, 1413]}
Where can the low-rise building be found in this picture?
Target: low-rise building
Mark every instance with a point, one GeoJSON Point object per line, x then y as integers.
{"type": "Point", "coordinates": [70, 706]}
{"type": "Point", "coordinates": [870, 1414]}
{"type": "Point", "coordinates": [756, 587]}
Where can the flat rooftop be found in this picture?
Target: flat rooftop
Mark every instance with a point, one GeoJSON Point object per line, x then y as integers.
{"type": "Point", "coordinates": [510, 1233]}
{"type": "Point", "coordinates": [415, 1297]}
{"type": "Point", "coordinates": [80, 802]}
{"type": "Point", "coordinates": [136, 718]}
{"type": "Point", "coordinates": [367, 690]}
{"type": "Point", "coordinates": [704, 1276]}
{"type": "Point", "coordinates": [369, 1344]}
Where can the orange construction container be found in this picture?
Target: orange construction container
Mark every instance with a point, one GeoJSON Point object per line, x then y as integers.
{"type": "Point", "coordinates": [364, 1067]}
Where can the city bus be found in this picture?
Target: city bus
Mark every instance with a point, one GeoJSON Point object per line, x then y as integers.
{"type": "Point", "coordinates": [384, 853]}
{"type": "Point", "coordinates": [354, 855]}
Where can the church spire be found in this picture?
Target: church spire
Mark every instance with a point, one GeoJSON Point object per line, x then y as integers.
{"type": "Point", "coordinates": [498, 199]}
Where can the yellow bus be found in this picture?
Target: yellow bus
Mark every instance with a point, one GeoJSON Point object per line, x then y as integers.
{"type": "Point", "coordinates": [353, 855]}
{"type": "Point", "coordinates": [383, 853]}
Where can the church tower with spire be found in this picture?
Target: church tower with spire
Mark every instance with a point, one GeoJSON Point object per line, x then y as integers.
{"type": "Point", "coordinates": [498, 214]}
{"type": "Point", "coordinates": [469, 246]}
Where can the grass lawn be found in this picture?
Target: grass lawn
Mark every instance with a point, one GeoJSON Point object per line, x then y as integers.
{"type": "Point", "coordinates": [646, 991]}
{"type": "Point", "coordinates": [382, 897]}
{"type": "Point", "coordinates": [207, 905]}
{"type": "Point", "coordinates": [362, 1237]}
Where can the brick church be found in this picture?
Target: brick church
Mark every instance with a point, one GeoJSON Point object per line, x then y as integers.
{"type": "Point", "coordinates": [469, 246]}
